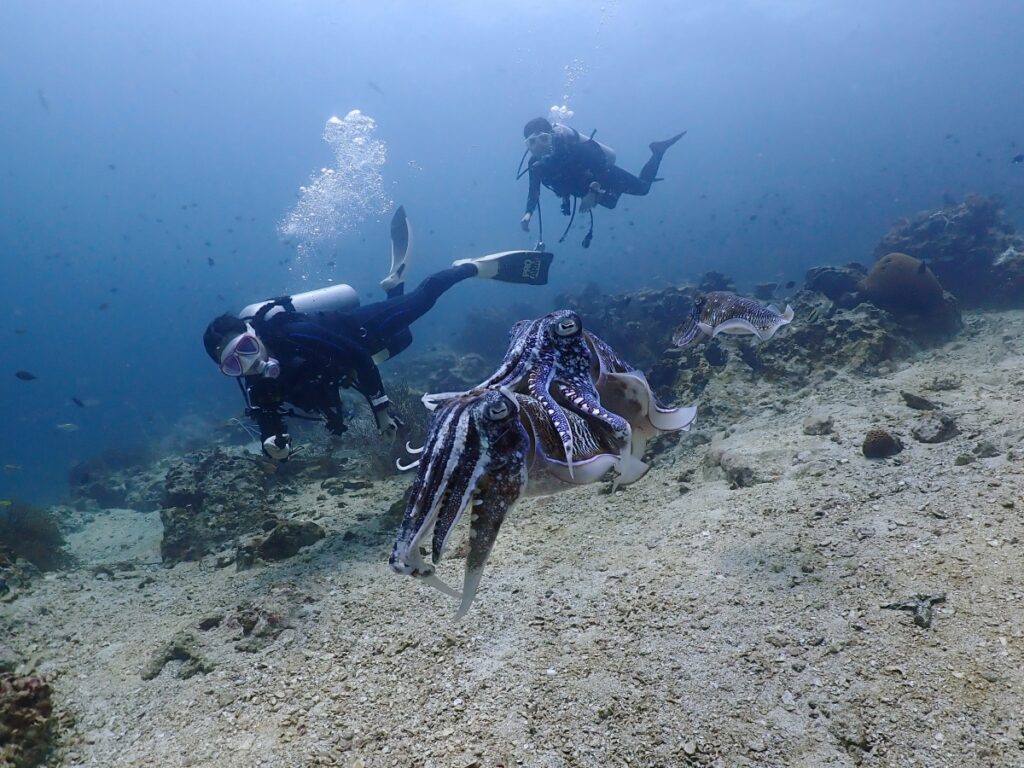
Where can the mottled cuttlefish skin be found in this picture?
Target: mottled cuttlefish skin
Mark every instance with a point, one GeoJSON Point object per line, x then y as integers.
{"type": "Point", "coordinates": [724, 312]}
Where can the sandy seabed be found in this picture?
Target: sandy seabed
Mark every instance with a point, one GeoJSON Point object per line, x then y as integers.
{"type": "Point", "coordinates": [680, 621]}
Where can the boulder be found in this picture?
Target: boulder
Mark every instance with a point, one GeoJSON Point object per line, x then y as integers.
{"type": "Point", "coordinates": [935, 427]}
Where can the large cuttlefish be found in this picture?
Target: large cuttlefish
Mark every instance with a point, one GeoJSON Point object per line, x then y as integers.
{"type": "Point", "coordinates": [562, 409]}
{"type": "Point", "coordinates": [724, 312]}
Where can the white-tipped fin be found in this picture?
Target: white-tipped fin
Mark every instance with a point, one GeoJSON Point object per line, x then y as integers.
{"type": "Point", "coordinates": [736, 326]}
{"type": "Point", "coordinates": [788, 314]}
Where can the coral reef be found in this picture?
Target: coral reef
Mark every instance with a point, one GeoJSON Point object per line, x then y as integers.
{"type": "Point", "coordinates": [211, 497]}
{"type": "Point", "coordinates": [30, 533]}
{"type": "Point", "coordinates": [26, 721]}
{"type": "Point", "coordinates": [129, 478]}
{"type": "Point", "coordinates": [971, 247]}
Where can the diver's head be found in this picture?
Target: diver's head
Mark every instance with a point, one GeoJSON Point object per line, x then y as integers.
{"type": "Point", "coordinates": [234, 346]}
{"type": "Point", "coordinates": [538, 133]}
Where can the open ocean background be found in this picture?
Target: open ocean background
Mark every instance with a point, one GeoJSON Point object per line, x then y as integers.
{"type": "Point", "coordinates": [149, 151]}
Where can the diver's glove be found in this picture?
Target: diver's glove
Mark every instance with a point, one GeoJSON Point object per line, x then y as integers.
{"type": "Point", "coordinates": [525, 221]}
{"type": "Point", "coordinates": [278, 447]}
{"type": "Point", "coordinates": [589, 200]}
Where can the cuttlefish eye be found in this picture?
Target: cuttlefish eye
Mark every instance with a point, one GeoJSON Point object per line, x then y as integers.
{"type": "Point", "coordinates": [497, 411]}
{"type": "Point", "coordinates": [567, 327]}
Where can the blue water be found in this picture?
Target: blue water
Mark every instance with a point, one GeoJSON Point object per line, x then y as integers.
{"type": "Point", "coordinates": [140, 140]}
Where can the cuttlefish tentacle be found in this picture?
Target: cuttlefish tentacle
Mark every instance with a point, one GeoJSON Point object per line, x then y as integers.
{"type": "Point", "coordinates": [443, 449]}
{"type": "Point", "coordinates": [499, 490]}
{"type": "Point", "coordinates": [589, 404]}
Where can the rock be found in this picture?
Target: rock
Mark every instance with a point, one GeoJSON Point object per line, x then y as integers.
{"type": "Point", "coordinates": [742, 468]}
{"type": "Point", "coordinates": [985, 449]}
{"type": "Point", "coordinates": [917, 402]}
{"type": "Point", "coordinates": [9, 660]}
{"type": "Point", "coordinates": [27, 726]}
{"type": "Point", "coordinates": [211, 621]}
{"type": "Point", "coordinates": [879, 444]}
{"type": "Point", "coordinates": [182, 647]}
{"type": "Point", "coordinates": [288, 537]}
{"type": "Point", "coordinates": [715, 281]}
{"type": "Point", "coordinates": [836, 283]}
{"type": "Point", "coordinates": [935, 427]}
{"type": "Point", "coordinates": [818, 424]}
{"type": "Point", "coordinates": [964, 459]}
{"type": "Point", "coordinates": [210, 498]}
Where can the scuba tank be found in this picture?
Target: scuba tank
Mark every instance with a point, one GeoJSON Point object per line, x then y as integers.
{"type": "Point", "coordinates": [334, 298]}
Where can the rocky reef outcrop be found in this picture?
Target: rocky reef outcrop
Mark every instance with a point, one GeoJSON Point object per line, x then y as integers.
{"type": "Point", "coordinates": [211, 498]}
{"type": "Point", "coordinates": [971, 248]}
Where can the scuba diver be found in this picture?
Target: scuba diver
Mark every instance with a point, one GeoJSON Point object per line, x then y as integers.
{"type": "Point", "coordinates": [583, 169]}
{"type": "Point", "coordinates": [301, 349]}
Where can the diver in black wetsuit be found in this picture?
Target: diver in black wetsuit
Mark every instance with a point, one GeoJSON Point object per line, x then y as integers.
{"type": "Point", "coordinates": [282, 356]}
{"type": "Point", "coordinates": [574, 166]}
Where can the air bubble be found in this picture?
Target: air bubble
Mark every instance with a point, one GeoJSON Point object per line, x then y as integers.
{"type": "Point", "coordinates": [338, 199]}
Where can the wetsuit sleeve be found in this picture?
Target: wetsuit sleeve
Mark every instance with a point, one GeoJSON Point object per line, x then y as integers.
{"type": "Point", "coordinates": [333, 351]}
{"type": "Point", "coordinates": [533, 196]}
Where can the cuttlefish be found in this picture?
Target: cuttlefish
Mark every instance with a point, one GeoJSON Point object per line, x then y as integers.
{"type": "Point", "coordinates": [562, 410]}
{"type": "Point", "coordinates": [724, 312]}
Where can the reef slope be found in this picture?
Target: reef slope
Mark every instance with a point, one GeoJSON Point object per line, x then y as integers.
{"type": "Point", "coordinates": [726, 610]}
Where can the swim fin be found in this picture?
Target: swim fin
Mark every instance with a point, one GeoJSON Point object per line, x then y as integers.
{"type": "Point", "coordinates": [526, 267]}
{"type": "Point", "coordinates": [401, 250]}
{"type": "Point", "coordinates": [660, 147]}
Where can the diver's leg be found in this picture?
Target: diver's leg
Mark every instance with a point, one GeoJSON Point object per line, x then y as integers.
{"type": "Point", "coordinates": [386, 319]}
{"type": "Point", "coordinates": [618, 182]}
{"type": "Point", "coordinates": [649, 172]}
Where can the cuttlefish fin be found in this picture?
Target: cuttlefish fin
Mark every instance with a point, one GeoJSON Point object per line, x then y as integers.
{"type": "Point", "coordinates": [735, 325]}
{"type": "Point", "coordinates": [629, 470]}
{"type": "Point", "coordinates": [788, 314]}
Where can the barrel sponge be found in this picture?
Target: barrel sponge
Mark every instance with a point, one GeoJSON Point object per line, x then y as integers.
{"type": "Point", "coordinates": [902, 284]}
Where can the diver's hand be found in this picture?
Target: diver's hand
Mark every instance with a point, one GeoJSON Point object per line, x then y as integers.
{"type": "Point", "coordinates": [278, 447]}
{"type": "Point", "coordinates": [388, 424]}
{"type": "Point", "coordinates": [525, 221]}
{"type": "Point", "coordinates": [589, 200]}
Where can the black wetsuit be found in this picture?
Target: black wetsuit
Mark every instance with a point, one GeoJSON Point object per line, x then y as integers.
{"type": "Point", "coordinates": [323, 351]}
{"type": "Point", "coordinates": [574, 162]}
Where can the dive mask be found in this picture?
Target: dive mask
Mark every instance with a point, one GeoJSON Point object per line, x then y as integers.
{"type": "Point", "coordinates": [539, 143]}
{"type": "Point", "coordinates": [245, 355]}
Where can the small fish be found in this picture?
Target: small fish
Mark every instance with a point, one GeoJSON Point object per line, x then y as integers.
{"type": "Point", "coordinates": [6, 503]}
{"type": "Point", "coordinates": [12, 467]}
{"type": "Point", "coordinates": [374, 87]}
{"type": "Point", "coordinates": [67, 427]}
{"type": "Point", "coordinates": [78, 402]}
{"type": "Point", "coordinates": [43, 102]}
{"type": "Point", "coordinates": [103, 307]}
{"type": "Point", "coordinates": [724, 312]}
{"type": "Point", "coordinates": [1018, 159]}
{"type": "Point", "coordinates": [20, 331]}
{"type": "Point", "coordinates": [210, 261]}
{"type": "Point", "coordinates": [25, 375]}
